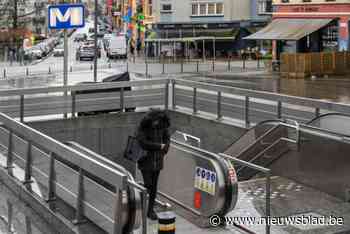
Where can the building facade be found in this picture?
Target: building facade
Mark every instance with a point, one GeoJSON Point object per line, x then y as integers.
{"type": "Point", "coordinates": [335, 36]}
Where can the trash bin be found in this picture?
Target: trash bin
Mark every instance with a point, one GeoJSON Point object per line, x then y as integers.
{"type": "Point", "coordinates": [166, 222]}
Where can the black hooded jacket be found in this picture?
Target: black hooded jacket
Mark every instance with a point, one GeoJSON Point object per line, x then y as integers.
{"type": "Point", "coordinates": [152, 132]}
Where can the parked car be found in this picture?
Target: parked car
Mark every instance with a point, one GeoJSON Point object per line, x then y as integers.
{"type": "Point", "coordinates": [85, 52]}
{"type": "Point", "coordinates": [36, 52]}
{"type": "Point", "coordinates": [117, 48]}
{"type": "Point", "coordinates": [92, 43]}
{"type": "Point", "coordinates": [80, 37]}
{"type": "Point", "coordinates": [58, 51]}
{"type": "Point", "coordinates": [115, 78]}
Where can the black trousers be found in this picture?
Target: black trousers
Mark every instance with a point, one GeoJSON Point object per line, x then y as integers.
{"type": "Point", "coordinates": [150, 179]}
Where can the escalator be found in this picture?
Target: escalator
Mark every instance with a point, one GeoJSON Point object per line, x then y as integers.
{"type": "Point", "coordinates": [264, 144]}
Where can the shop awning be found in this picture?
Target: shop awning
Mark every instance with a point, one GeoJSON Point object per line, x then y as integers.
{"type": "Point", "coordinates": [289, 29]}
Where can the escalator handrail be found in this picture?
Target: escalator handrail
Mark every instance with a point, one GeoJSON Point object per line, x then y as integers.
{"type": "Point", "coordinates": [324, 115]}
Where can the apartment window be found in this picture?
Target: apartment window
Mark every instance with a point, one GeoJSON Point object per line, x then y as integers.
{"type": "Point", "coordinates": [207, 9]}
{"type": "Point", "coordinates": [195, 9]}
{"type": "Point", "coordinates": [166, 7]}
{"type": "Point", "coordinates": [203, 9]}
{"type": "Point", "coordinates": [265, 6]}
{"type": "Point", "coordinates": [211, 8]}
{"type": "Point", "coordinates": [150, 8]}
{"type": "Point", "coordinates": [219, 8]}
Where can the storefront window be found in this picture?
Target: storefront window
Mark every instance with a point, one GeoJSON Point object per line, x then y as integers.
{"type": "Point", "coordinates": [330, 37]}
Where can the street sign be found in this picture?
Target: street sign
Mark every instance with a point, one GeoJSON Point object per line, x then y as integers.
{"type": "Point", "coordinates": [66, 16]}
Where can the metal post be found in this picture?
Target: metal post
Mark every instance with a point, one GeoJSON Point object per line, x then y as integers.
{"type": "Point", "coordinates": [65, 59]}
{"type": "Point", "coordinates": [203, 51]}
{"type": "Point", "coordinates": [28, 225]}
{"type": "Point", "coordinates": [174, 51]}
{"type": "Point", "coordinates": [219, 115]}
{"type": "Point", "coordinates": [73, 103]}
{"type": "Point", "coordinates": [146, 69]}
{"type": "Point", "coordinates": [194, 100]}
{"type": "Point", "coordinates": [79, 208]}
{"type": "Point", "coordinates": [173, 93]}
{"type": "Point", "coordinates": [167, 95]}
{"type": "Point", "coordinates": [246, 111]}
{"type": "Point", "coordinates": [268, 208]}
{"type": "Point", "coordinates": [197, 66]}
{"type": "Point", "coordinates": [21, 108]}
{"type": "Point", "coordinates": [258, 62]}
{"type": "Point", "coordinates": [71, 69]}
{"type": "Point", "coordinates": [9, 216]}
{"type": "Point", "coordinates": [243, 62]}
{"type": "Point", "coordinates": [9, 160]}
{"type": "Point", "coordinates": [214, 49]}
{"type": "Point", "coordinates": [317, 112]}
{"type": "Point", "coordinates": [229, 65]}
{"type": "Point", "coordinates": [279, 109]}
{"type": "Point", "coordinates": [182, 66]}
{"type": "Point", "coordinates": [122, 99]}
{"type": "Point", "coordinates": [27, 71]}
{"type": "Point", "coordinates": [95, 43]}
{"type": "Point", "coordinates": [118, 207]}
{"type": "Point", "coordinates": [28, 168]}
{"type": "Point", "coordinates": [213, 65]}
{"type": "Point", "coordinates": [51, 195]}
{"type": "Point", "coordinates": [163, 67]}
{"type": "Point", "coordinates": [144, 211]}
{"type": "Point", "coordinates": [4, 73]}
{"type": "Point", "coordinates": [127, 66]}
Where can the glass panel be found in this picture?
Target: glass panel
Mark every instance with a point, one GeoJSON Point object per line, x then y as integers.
{"type": "Point", "coordinates": [203, 9]}
{"type": "Point", "coordinates": [219, 8]}
{"type": "Point", "coordinates": [211, 9]}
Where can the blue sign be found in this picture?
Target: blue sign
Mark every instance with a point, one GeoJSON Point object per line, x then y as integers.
{"type": "Point", "coordinates": [66, 16]}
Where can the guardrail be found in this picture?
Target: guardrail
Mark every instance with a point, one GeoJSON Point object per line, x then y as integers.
{"type": "Point", "coordinates": [45, 160]}
{"type": "Point", "coordinates": [51, 101]}
{"type": "Point", "coordinates": [248, 105]}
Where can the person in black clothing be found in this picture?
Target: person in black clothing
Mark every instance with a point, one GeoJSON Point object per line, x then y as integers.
{"type": "Point", "coordinates": [153, 136]}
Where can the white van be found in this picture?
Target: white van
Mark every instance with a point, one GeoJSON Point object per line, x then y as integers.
{"type": "Point", "coordinates": [117, 47]}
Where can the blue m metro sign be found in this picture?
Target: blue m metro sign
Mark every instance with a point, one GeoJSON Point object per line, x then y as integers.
{"type": "Point", "coordinates": [66, 16]}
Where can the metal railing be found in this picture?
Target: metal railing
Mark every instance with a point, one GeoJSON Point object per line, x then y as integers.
{"type": "Point", "coordinates": [267, 173]}
{"type": "Point", "coordinates": [272, 145]}
{"type": "Point", "coordinates": [246, 104]}
{"type": "Point", "coordinates": [37, 146]}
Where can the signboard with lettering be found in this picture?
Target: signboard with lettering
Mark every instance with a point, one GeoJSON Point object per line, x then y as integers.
{"type": "Point", "coordinates": [66, 16]}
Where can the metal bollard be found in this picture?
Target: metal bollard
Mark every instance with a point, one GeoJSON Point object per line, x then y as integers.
{"type": "Point", "coordinates": [258, 63]}
{"type": "Point", "coordinates": [127, 66]}
{"type": "Point", "coordinates": [4, 73]}
{"type": "Point", "coordinates": [49, 70]}
{"type": "Point", "coordinates": [166, 222]}
{"type": "Point", "coordinates": [163, 68]}
{"type": "Point", "coordinates": [146, 69]}
{"type": "Point", "coordinates": [27, 71]}
{"type": "Point", "coordinates": [109, 65]}
{"type": "Point", "coordinates": [213, 65]}
{"type": "Point", "coordinates": [229, 65]}
{"type": "Point", "coordinates": [133, 59]}
{"type": "Point", "coordinates": [182, 66]}
{"type": "Point", "coordinates": [243, 63]}
{"type": "Point", "coordinates": [197, 66]}
{"type": "Point", "coordinates": [71, 69]}
{"type": "Point", "coordinates": [91, 67]}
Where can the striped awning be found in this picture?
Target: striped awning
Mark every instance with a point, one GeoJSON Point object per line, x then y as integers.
{"type": "Point", "coordinates": [289, 29]}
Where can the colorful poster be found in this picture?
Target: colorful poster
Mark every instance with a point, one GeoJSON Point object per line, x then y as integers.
{"type": "Point", "coordinates": [205, 180]}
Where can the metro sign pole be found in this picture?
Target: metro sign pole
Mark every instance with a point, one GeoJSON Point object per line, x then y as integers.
{"type": "Point", "coordinates": [66, 16]}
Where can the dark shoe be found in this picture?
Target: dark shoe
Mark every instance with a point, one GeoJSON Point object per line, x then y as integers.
{"type": "Point", "coordinates": [152, 215]}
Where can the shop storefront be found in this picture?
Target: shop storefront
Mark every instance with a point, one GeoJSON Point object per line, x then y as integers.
{"type": "Point", "coordinates": [229, 35]}
{"type": "Point", "coordinates": [307, 28]}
